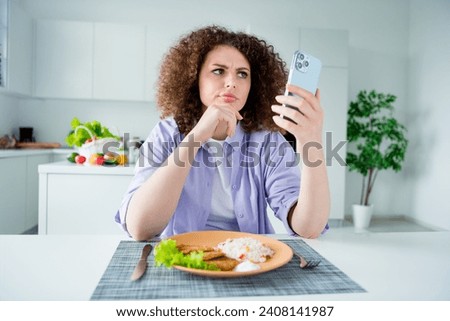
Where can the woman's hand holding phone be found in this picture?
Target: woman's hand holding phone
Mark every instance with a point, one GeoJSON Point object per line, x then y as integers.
{"type": "Point", "coordinates": [306, 121]}
{"type": "Point", "coordinates": [301, 113]}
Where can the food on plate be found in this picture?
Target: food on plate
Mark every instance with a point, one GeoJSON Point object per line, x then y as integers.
{"type": "Point", "coordinates": [246, 248]}
{"type": "Point", "coordinates": [209, 253]}
{"type": "Point", "coordinates": [246, 266]}
{"type": "Point", "coordinates": [211, 256]}
{"type": "Point", "coordinates": [186, 248]}
{"type": "Point", "coordinates": [224, 263]}
{"type": "Point", "coordinates": [238, 254]}
{"type": "Point", "coordinates": [168, 254]}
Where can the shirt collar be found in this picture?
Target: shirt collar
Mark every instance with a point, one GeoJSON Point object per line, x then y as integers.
{"type": "Point", "coordinates": [234, 142]}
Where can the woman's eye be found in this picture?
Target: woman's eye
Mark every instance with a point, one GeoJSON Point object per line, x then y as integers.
{"type": "Point", "coordinates": [242, 74]}
{"type": "Point", "coordinates": [217, 71]}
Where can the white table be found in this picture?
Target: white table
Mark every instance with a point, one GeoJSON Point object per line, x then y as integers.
{"type": "Point", "coordinates": [390, 266]}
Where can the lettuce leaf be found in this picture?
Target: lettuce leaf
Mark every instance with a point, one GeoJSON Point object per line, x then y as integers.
{"type": "Point", "coordinates": [167, 253]}
{"type": "Point", "coordinates": [81, 136]}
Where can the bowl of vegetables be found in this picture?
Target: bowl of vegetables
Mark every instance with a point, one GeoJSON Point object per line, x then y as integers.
{"type": "Point", "coordinates": [92, 140]}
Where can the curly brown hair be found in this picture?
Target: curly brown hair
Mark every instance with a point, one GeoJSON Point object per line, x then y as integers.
{"type": "Point", "coordinates": [178, 90]}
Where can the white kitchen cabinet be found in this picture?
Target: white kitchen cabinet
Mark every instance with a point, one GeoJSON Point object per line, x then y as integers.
{"type": "Point", "coordinates": [64, 63]}
{"type": "Point", "coordinates": [20, 67]}
{"type": "Point", "coordinates": [119, 62]}
{"type": "Point", "coordinates": [13, 188]}
{"type": "Point", "coordinates": [32, 189]}
{"type": "Point", "coordinates": [84, 60]}
{"type": "Point", "coordinates": [76, 199]}
{"type": "Point", "coordinates": [19, 188]}
{"type": "Point", "coordinates": [157, 45]}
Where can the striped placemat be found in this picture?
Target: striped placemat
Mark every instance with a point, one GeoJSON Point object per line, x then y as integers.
{"type": "Point", "coordinates": [163, 283]}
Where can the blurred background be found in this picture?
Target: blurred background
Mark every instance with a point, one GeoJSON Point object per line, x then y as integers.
{"type": "Point", "coordinates": [99, 59]}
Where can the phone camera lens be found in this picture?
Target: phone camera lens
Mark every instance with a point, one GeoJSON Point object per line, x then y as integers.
{"type": "Point", "coordinates": [306, 63]}
{"type": "Point", "coordinates": [299, 65]}
{"type": "Point", "coordinates": [302, 56]}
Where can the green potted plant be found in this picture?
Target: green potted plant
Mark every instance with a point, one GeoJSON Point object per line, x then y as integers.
{"type": "Point", "coordinates": [376, 142]}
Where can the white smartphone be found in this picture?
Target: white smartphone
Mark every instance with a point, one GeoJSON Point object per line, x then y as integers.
{"type": "Point", "coordinates": [304, 72]}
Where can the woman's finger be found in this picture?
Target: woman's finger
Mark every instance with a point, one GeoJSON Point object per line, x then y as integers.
{"type": "Point", "coordinates": [286, 124]}
{"type": "Point", "coordinates": [288, 112]}
{"type": "Point", "coordinates": [303, 104]}
{"type": "Point", "coordinates": [312, 99]}
{"type": "Point", "coordinates": [294, 101]}
{"type": "Point", "coordinates": [230, 116]}
{"type": "Point", "coordinates": [238, 115]}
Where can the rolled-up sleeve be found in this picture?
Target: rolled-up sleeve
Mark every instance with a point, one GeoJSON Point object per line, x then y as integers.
{"type": "Point", "coordinates": [282, 184]}
{"type": "Point", "coordinates": [153, 153]}
{"type": "Point", "coordinates": [282, 178]}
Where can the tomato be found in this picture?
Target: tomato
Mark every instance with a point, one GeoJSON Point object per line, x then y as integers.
{"type": "Point", "coordinates": [79, 159]}
{"type": "Point", "coordinates": [100, 160]}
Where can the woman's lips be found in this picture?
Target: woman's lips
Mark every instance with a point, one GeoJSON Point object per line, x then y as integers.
{"type": "Point", "coordinates": [229, 98]}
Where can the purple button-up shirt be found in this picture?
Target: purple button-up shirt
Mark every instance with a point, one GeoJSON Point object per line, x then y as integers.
{"type": "Point", "coordinates": [264, 170]}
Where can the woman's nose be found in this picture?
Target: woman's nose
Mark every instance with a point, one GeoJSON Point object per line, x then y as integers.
{"type": "Point", "coordinates": [230, 82]}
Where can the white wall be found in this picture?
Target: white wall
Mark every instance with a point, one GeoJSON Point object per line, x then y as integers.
{"type": "Point", "coordinates": [51, 118]}
{"type": "Point", "coordinates": [428, 113]}
{"type": "Point", "coordinates": [378, 49]}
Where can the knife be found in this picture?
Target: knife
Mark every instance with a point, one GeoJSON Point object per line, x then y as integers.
{"type": "Point", "coordinates": [141, 266]}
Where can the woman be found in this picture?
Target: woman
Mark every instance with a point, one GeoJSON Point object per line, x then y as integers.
{"type": "Point", "coordinates": [217, 158]}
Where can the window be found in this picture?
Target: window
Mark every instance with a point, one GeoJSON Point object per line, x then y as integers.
{"type": "Point", "coordinates": [3, 41]}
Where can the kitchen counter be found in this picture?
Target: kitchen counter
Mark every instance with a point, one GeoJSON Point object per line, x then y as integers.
{"type": "Point", "coordinates": [66, 167]}
{"type": "Point", "coordinates": [6, 153]}
{"type": "Point", "coordinates": [81, 199]}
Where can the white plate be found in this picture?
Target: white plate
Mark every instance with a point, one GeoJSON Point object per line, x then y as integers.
{"type": "Point", "coordinates": [283, 253]}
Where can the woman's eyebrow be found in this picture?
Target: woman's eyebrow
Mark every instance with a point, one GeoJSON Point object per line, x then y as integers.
{"type": "Point", "coordinates": [220, 66]}
{"type": "Point", "coordinates": [243, 68]}
{"type": "Point", "coordinates": [226, 67]}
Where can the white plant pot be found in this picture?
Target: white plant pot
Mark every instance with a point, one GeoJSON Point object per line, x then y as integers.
{"type": "Point", "coordinates": [361, 217]}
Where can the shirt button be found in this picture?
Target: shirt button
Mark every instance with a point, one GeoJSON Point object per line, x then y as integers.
{"type": "Point", "coordinates": [241, 215]}
{"type": "Point", "coordinates": [233, 187]}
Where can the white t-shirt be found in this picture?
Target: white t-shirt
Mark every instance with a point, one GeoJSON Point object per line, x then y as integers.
{"type": "Point", "coordinates": [222, 215]}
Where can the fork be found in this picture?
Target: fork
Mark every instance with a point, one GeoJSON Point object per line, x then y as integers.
{"type": "Point", "coordinates": [307, 264]}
